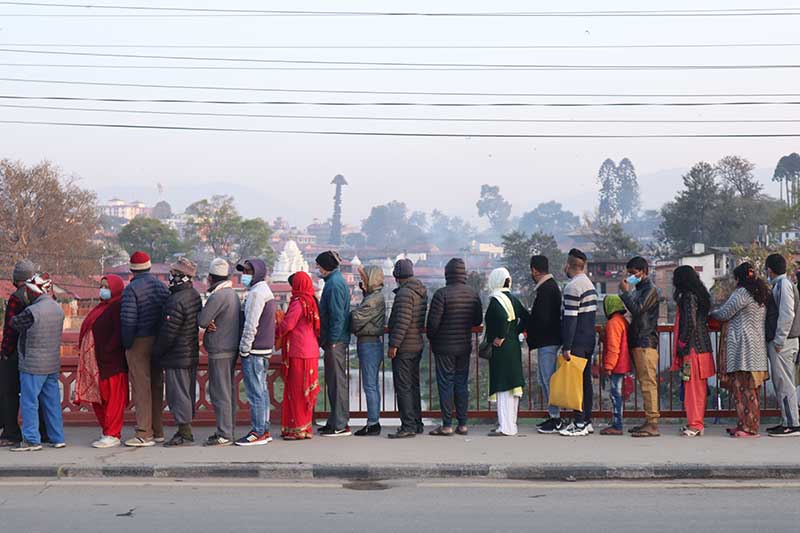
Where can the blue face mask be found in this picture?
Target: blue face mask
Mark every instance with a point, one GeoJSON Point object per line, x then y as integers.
{"type": "Point", "coordinates": [633, 280]}
{"type": "Point", "coordinates": [105, 294]}
{"type": "Point", "coordinates": [247, 279]}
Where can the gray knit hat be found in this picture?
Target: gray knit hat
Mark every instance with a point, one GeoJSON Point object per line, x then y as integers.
{"type": "Point", "coordinates": [23, 270]}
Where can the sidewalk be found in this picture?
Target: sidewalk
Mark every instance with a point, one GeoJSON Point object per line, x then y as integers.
{"type": "Point", "coordinates": [529, 456]}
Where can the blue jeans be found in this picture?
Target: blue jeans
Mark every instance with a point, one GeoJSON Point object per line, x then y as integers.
{"type": "Point", "coordinates": [616, 400]}
{"type": "Point", "coordinates": [452, 378]}
{"type": "Point", "coordinates": [370, 356]}
{"type": "Point", "coordinates": [254, 369]}
{"type": "Point", "coordinates": [547, 367]}
{"type": "Point", "coordinates": [36, 390]}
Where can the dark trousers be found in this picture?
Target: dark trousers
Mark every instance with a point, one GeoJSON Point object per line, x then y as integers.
{"type": "Point", "coordinates": [585, 416]}
{"type": "Point", "coordinates": [9, 402]}
{"type": "Point", "coordinates": [452, 379]}
{"type": "Point", "coordinates": [337, 385]}
{"type": "Point", "coordinates": [405, 374]}
{"type": "Point", "coordinates": [181, 396]}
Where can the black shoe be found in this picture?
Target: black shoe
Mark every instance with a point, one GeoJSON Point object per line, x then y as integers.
{"type": "Point", "coordinates": [369, 431]}
{"type": "Point", "coordinates": [323, 429]}
{"type": "Point", "coordinates": [330, 432]}
{"type": "Point", "coordinates": [543, 422]}
{"type": "Point", "coordinates": [420, 429]}
{"type": "Point", "coordinates": [552, 425]}
{"type": "Point", "coordinates": [774, 429]}
{"type": "Point", "coordinates": [402, 434]}
{"type": "Point", "coordinates": [786, 432]}
{"type": "Point", "coordinates": [180, 440]}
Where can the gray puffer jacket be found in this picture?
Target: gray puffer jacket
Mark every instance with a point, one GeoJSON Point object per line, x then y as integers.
{"type": "Point", "coordinates": [407, 320]}
{"type": "Point", "coordinates": [224, 309]}
{"type": "Point", "coordinates": [40, 326]}
{"type": "Point", "coordinates": [369, 318]}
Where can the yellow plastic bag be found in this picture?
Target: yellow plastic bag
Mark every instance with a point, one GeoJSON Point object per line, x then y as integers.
{"type": "Point", "coordinates": [566, 384]}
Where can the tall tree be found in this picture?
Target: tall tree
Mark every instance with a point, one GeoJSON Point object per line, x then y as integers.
{"type": "Point", "coordinates": [607, 179]}
{"type": "Point", "coordinates": [494, 207]}
{"type": "Point", "coordinates": [47, 218]}
{"type": "Point", "coordinates": [450, 233]}
{"type": "Point", "coordinates": [787, 173]}
{"type": "Point", "coordinates": [152, 236]}
{"type": "Point", "coordinates": [549, 217]}
{"type": "Point", "coordinates": [518, 247]}
{"type": "Point", "coordinates": [389, 227]}
{"type": "Point", "coordinates": [736, 174]}
{"type": "Point", "coordinates": [627, 191]}
{"type": "Point", "coordinates": [611, 241]}
{"type": "Point", "coordinates": [162, 210]}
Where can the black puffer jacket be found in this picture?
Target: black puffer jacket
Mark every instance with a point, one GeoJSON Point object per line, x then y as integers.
{"type": "Point", "coordinates": [177, 344]}
{"type": "Point", "coordinates": [643, 306]}
{"type": "Point", "coordinates": [408, 317]}
{"type": "Point", "coordinates": [455, 310]}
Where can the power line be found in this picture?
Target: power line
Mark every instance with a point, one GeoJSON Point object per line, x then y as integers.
{"type": "Point", "coordinates": [417, 93]}
{"type": "Point", "coordinates": [509, 66]}
{"type": "Point", "coordinates": [284, 12]}
{"type": "Point", "coordinates": [408, 134]}
{"type": "Point", "coordinates": [397, 104]}
{"type": "Point", "coordinates": [408, 119]}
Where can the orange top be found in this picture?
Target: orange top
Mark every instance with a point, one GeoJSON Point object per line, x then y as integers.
{"type": "Point", "coordinates": [616, 356]}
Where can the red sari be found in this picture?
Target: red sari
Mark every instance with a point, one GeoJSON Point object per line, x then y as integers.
{"type": "Point", "coordinates": [298, 333]}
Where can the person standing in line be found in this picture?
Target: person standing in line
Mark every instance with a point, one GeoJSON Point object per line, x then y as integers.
{"type": "Point", "coordinates": [334, 337]}
{"type": "Point", "coordinates": [140, 312]}
{"type": "Point", "coordinates": [40, 326]}
{"type": "Point", "coordinates": [544, 335]}
{"type": "Point", "coordinates": [782, 349]}
{"type": "Point", "coordinates": [177, 348]}
{"type": "Point", "coordinates": [641, 298]}
{"type": "Point", "coordinates": [746, 347]}
{"type": "Point", "coordinates": [616, 358]}
{"type": "Point", "coordinates": [505, 316]}
{"type": "Point", "coordinates": [692, 353]}
{"type": "Point", "coordinates": [406, 324]}
{"type": "Point", "coordinates": [368, 324]}
{"type": "Point", "coordinates": [102, 370]}
{"type": "Point", "coordinates": [299, 330]}
{"type": "Point", "coordinates": [455, 309]}
{"type": "Point", "coordinates": [256, 347]}
{"type": "Point", "coordinates": [9, 363]}
{"type": "Point", "coordinates": [220, 318]}
{"type": "Point", "coordinates": [578, 335]}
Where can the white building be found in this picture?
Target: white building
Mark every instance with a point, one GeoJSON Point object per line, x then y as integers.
{"type": "Point", "coordinates": [710, 263]}
{"type": "Point", "coordinates": [127, 210]}
{"type": "Point", "coordinates": [289, 261]}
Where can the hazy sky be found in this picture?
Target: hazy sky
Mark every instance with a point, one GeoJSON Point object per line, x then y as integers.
{"type": "Point", "coordinates": [280, 174]}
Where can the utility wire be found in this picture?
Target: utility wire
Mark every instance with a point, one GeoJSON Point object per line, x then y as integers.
{"type": "Point", "coordinates": [399, 104]}
{"type": "Point", "coordinates": [424, 93]}
{"type": "Point", "coordinates": [408, 134]}
{"type": "Point", "coordinates": [400, 63]}
{"type": "Point", "coordinates": [408, 119]}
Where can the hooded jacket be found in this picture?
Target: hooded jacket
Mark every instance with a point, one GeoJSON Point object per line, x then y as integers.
{"type": "Point", "coordinates": [107, 331]}
{"type": "Point", "coordinates": [616, 355]}
{"type": "Point", "coordinates": [334, 310]}
{"type": "Point", "coordinates": [643, 306]}
{"type": "Point", "coordinates": [369, 318]}
{"type": "Point", "coordinates": [224, 308]}
{"type": "Point", "coordinates": [142, 306]}
{"type": "Point", "coordinates": [455, 309]}
{"type": "Point", "coordinates": [178, 343]}
{"type": "Point", "coordinates": [407, 319]}
{"type": "Point", "coordinates": [258, 332]}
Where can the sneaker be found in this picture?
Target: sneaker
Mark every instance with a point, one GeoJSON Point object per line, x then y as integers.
{"type": "Point", "coordinates": [420, 429]}
{"type": "Point", "coordinates": [330, 432]}
{"type": "Point", "coordinates": [369, 431]}
{"type": "Point", "coordinates": [139, 442]}
{"type": "Point", "coordinates": [590, 428]}
{"type": "Point", "coordinates": [550, 426]}
{"type": "Point", "coordinates": [785, 432]}
{"type": "Point", "coordinates": [777, 428]}
{"type": "Point", "coordinates": [180, 440]}
{"type": "Point", "coordinates": [58, 445]}
{"type": "Point", "coordinates": [575, 430]}
{"type": "Point", "coordinates": [26, 447]}
{"type": "Point", "coordinates": [106, 442]}
{"type": "Point", "coordinates": [159, 440]}
{"type": "Point", "coordinates": [543, 422]}
{"type": "Point", "coordinates": [403, 434]}
{"type": "Point", "coordinates": [323, 429]}
{"type": "Point", "coordinates": [216, 440]}
{"type": "Point", "coordinates": [254, 439]}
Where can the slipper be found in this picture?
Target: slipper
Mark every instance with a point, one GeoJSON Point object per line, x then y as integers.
{"type": "Point", "coordinates": [496, 433]}
{"type": "Point", "coordinates": [745, 435]}
{"type": "Point", "coordinates": [645, 434]}
{"type": "Point", "coordinates": [442, 431]}
{"type": "Point", "coordinates": [462, 430]}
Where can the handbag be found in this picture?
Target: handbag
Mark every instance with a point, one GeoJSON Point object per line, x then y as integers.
{"type": "Point", "coordinates": [485, 349]}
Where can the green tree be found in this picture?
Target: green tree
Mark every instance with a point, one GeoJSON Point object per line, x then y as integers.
{"type": "Point", "coordinates": [518, 247]}
{"type": "Point", "coordinates": [611, 241]}
{"type": "Point", "coordinates": [450, 233]}
{"type": "Point", "coordinates": [787, 173]}
{"type": "Point", "coordinates": [389, 227]}
{"type": "Point", "coordinates": [494, 207]}
{"type": "Point", "coordinates": [152, 236]}
{"type": "Point", "coordinates": [162, 210]}
{"type": "Point", "coordinates": [627, 191]}
{"type": "Point", "coordinates": [607, 179]}
{"type": "Point", "coordinates": [549, 217]}
{"type": "Point", "coordinates": [736, 174]}
{"type": "Point", "coordinates": [253, 240]}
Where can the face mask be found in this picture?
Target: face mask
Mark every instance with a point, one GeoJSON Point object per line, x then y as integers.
{"type": "Point", "coordinates": [247, 279]}
{"type": "Point", "coordinates": [105, 294]}
{"type": "Point", "coordinates": [633, 280]}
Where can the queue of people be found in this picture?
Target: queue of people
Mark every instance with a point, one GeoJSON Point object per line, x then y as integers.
{"type": "Point", "coordinates": [144, 338]}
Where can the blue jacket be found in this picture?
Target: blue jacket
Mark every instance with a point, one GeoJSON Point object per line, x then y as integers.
{"type": "Point", "coordinates": [334, 310]}
{"type": "Point", "coordinates": [142, 304]}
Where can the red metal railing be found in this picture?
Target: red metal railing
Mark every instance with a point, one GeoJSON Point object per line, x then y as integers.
{"type": "Point", "coordinates": [531, 405]}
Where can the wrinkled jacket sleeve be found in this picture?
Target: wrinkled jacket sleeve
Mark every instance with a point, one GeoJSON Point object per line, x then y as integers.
{"type": "Point", "coordinates": [688, 321]}
{"type": "Point", "coordinates": [174, 317]}
{"type": "Point", "coordinates": [364, 313]}
{"type": "Point", "coordinates": [785, 312]}
{"type": "Point", "coordinates": [10, 335]}
{"type": "Point", "coordinates": [735, 303]}
{"type": "Point", "coordinates": [401, 313]}
{"type": "Point", "coordinates": [23, 321]}
{"type": "Point", "coordinates": [614, 334]}
{"type": "Point", "coordinates": [639, 304]}
{"type": "Point", "coordinates": [254, 306]}
{"type": "Point", "coordinates": [210, 311]}
{"type": "Point", "coordinates": [435, 314]}
{"type": "Point", "coordinates": [477, 311]}
{"type": "Point", "coordinates": [129, 315]}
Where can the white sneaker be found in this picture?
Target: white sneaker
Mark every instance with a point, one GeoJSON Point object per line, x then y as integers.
{"type": "Point", "coordinates": [139, 442]}
{"type": "Point", "coordinates": [574, 430]}
{"type": "Point", "coordinates": [589, 428]}
{"type": "Point", "coordinates": [106, 442]}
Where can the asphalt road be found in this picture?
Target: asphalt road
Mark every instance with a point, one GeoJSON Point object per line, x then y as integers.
{"type": "Point", "coordinates": [210, 506]}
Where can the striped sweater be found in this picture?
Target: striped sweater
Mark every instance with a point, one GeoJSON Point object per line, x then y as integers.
{"type": "Point", "coordinates": [578, 323]}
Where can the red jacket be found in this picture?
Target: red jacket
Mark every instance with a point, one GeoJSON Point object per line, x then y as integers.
{"type": "Point", "coordinates": [299, 333]}
{"type": "Point", "coordinates": [616, 356]}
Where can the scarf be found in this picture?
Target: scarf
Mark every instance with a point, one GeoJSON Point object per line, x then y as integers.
{"type": "Point", "coordinates": [498, 291]}
{"type": "Point", "coordinates": [226, 284]}
{"type": "Point", "coordinates": [87, 383]}
{"type": "Point", "coordinates": [176, 280]}
{"type": "Point", "coordinates": [303, 292]}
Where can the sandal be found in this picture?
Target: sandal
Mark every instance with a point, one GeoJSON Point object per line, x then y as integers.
{"type": "Point", "coordinates": [745, 435]}
{"type": "Point", "coordinates": [442, 431]}
{"type": "Point", "coordinates": [691, 432]}
{"type": "Point", "coordinates": [645, 433]}
{"type": "Point", "coordinates": [496, 433]}
{"type": "Point", "coordinates": [731, 431]}
{"type": "Point", "coordinates": [462, 430]}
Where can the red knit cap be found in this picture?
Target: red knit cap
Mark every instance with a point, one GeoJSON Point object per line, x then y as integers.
{"type": "Point", "coordinates": [140, 261]}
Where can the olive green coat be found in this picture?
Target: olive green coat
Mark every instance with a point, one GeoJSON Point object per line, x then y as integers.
{"type": "Point", "coordinates": [505, 366]}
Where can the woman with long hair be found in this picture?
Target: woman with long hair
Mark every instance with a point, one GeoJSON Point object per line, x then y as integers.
{"type": "Point", "coordinates": [102, 371]}
{"type": "Point", "coordinates": [692, 353]}
{"type": "Point", "coordinates": [746, 346]}
{"type": "Point", "coordinates": [298, 333]}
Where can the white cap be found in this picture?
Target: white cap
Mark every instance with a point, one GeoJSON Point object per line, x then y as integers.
{"type": "Point", "coordinates": [219, 267]}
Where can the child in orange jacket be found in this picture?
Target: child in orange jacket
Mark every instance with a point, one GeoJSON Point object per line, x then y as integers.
{"type": "Point", "coordinates": [616, 357]}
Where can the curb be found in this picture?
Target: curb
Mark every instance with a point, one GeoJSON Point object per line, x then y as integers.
{"type": "Point", "coordinates": [303, 471]}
